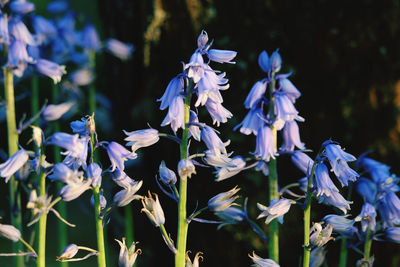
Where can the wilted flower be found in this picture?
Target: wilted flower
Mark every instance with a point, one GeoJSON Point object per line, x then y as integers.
{"type": "Point", "coordinates": [127, 256]}
{"type": "Point", "coordinates": [276, 209]}
{"type": "Point", "coordinates": [37, 135]}
{"type": "Point", "coordinates": [320, 236]}
{"type": "Point", "coordinates": [186, 168]}
{"type": "Point", "coordinates": [153, 209]}
{"type": "Point", "coordinates": [196, 260]}
{"type": "Point", "coordinates": [128, 194]}
{"type": "Point", "coordinates": [10, 232]}
{"type": "Point", "coordinates": [141, 138]}
{"type": "Point", "coordinates": [13, 164]}
{"type": "Point", "coordinates": [223, 200]}
{"type": "Point", "coordinates": [260, 262]}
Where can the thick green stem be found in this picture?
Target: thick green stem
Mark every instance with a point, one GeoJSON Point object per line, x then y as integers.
{"type": "Point", "coordinates": [182, 220]}
{"type": "Point", "coordinates": [15, 198]}
{"type": "Point", "coordinates": [41, 260]}
{"type": "Point", "coordinates": [273, 242]}
{"type": "Point", "coordinates": [92, 87]}
{"type": "Point", "coordinates": [101, 257]}
{"type": "Point", "coordinates": [62, 206]}
{"type": "Point", "coordinates": [367, 245]}
{"type": "Point", "coordinates": [307, 218]}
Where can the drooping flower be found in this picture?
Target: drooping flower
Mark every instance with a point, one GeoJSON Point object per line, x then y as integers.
{"type": "Point", "coordinates": [175, 115]}
{"type": "Point", "coordinates": [302, 161]}
{"type": "Point", "coordinates": [90, 37]}
{"type": "Point", "coordinates": [141, 138]}
{"type": "Point", "coordinates": [119, 49]}
{"type": "Point", "coordinates": [50, 69]}
{"type": "Point", "coordinates": [232, 215]}
{"type": "Point", "coordinates": [153, 209]}
{"type": "Point", "coordinates": [127, 256]}
{"type": "Point", "coordinates": [276, 209]}
{"type": "Point", "coordinates": [265, 144]}
{"type": "Point", "coordinates": [337, 200]}
{"type": "Point", "coordinates": [45, 30]}
{"type": "Point", "coordinates": [167, 176]}
{"type": "Point", "coordinates": [186, 168]}
{"type": "Point", "coordinates": [388, 204]}
{"type": "Point", "coordinates": [20, 32]}
{"type": "Point", "coordinates": [18, 57]}
{"type": "Point", "coordinates": [69, 252]}
{"type": "Point", "coordinates": [62, 173]}
{"type": "Point", "coordinates": [212, 141]}
{"type": "Point", "coordinates": [367, 189]}
{"type": "Point", "coordinates": [260, 262]}
{"type": "Point", "coordinates": [130, 188]}
{"type": "Point", "coordinates": [223, 200]}
{"type": "Point", "coordinates": [284, 108]}
{"type": "Point", "coordinates": [291, 137]}
{"type": "Point", "coordinates": [196, 260]}
{"type": "Point", "coordinates": [322, 182]}
{"type": "Point", "coordinates": [218, 113]}
{"type": "Point", "coordinates": [392, 234]}
{"type": "Point", "coordinates": [317, 256]}
{"type": "Point", "coordinates": [76, 147]}
{"type": "Point", "coordinates": [21, 6]}
{"type": "Point", "coordinates": [221, 56]}
{"type": "Point", "coordinates": [118, 155]}
{"type": "Point", "coordinates": [174, 88]}
{"type": "Point", "coordinates": [72, 191]}
{"type": "Point", "coordinates": [13, 164]}
{"type": "Point", "coordinates": [378, 171]}
{"type": "Point", "coordinates": [341, 224]}
{"type": "Point", "coordinates": [54, 112]}
{"type": "Point", "coordinates": [93, 172]}
{"type": "Point", "coordinates": [253, 121]}
{"type": "Point", "coordinates": [256, 94]}
{"type": "Point", "coordinates": [194, 130]}
{"type": "Point", "coordinates": [236, 165]}
{"type": "Point", "coordinates": [367, 217]}
{"type": "Point", "coordinates": [287, 87]}
{"type": "Point", "coordinates": [82, 77]}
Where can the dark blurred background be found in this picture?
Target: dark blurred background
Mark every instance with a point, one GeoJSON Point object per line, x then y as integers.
{"type": "Point", "coordinates": [345, 59]}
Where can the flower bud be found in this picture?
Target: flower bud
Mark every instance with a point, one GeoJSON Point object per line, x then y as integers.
{"type": "Point", "coordinates": [37, 135]}
{"type": "Point", "coordinates": [68, 252]}
{"type": "Point", "coordinates": [10, 232]}
{"type": "Point", "coordinates": [90, 124]}
{"type": "Point", "coordinates": [275, 61]}
{"type": "Point", "coordinates": [202, 39]}
{"type": "Point", "coordinates": [167, 176]}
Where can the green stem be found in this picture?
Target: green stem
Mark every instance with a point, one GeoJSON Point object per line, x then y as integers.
{"type": "Point", "coordinates": [367, 245]}
{"type": "Point", "coordinates": [307, 218]}
{"type": "Point", "coordinates": [27, 245]}
{"type": "Point", "coordinates": [41, 261]}
{"type": "Point", "coordinates": [15, 198]}
{"type": "Point", "coordinates": [182, 220]}
{"type": "Point", "coordinates": [92, 87]}
{"type": "Point", "coordinates": [35, 98]}
{"type": "Point", "coordinates": [128, 224]}
{"type": "Point", "coordinates": [166, 236]}
{"type": "Point", "coordinates": [101, 258]}
{"type": "Point", "coordinates": [343, 244]}
{"type": "Point", "coordinates": [273, 242]}
{"type": "Point", "coordinates": [62, 206]}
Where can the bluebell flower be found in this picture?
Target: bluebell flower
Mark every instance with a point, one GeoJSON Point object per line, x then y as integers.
{"type": "Point", "coordinates": [20, 32]}
{"type": "Point", "coordinates": [72, 191]}
{"type": "Point", "coordinates": [393, 234]}
{"type": "Point", "coordinates": [222, 201]}
{"type": "Point", "coordinates": [186, 168]}
{"type": "Point", "coordinates": [75, 147]}
{"type": "Point", "coordinates": [93, 172]}
{"type": "Point", "coordinates": [194, 130]}
{"type": "Point", "coordinates": [317, 257]}
{"type": "Point", "coordinates": [319, 236]}
{"type": "Point", "coordinates": [127, 256]}
{"type": "Point", "coordinates": [4, 36]}
{"type": "Point", "coordinates": [153, 209]}
{"type": "Point", "coordinates": [10, 232]}
{"type": "Point", "coordinates": [323, 184]}
{"type": "Point", "coordinates": [341, 224]}
{"type": "Point", "coordinates": [218, 113]}
{"type": "Point", "coordinates": [388, 205]}
{"type": "Point", "coordinates": [118, 155]}
{"type": "Point", "coordinates": [236, 165]}
{"type": "Point", "coordinates": [209, 85]}
{"type": "Point", "coordinates": [141, 138]}
{"type": "Point", "coordinates": [232, 215]}
{"type": "Point", "coordinates": [262, 166]}
{"type": "Point", "coordinates": [174, 88]}
{"type": "Point", "coordinates": [45, 29]}
{"type": "Point", "coordinates": [128, 194]}
{"type": "Point", "coordinates": [212, 141]}
{"type": "Point", "coordinates": [256, 94]}
{"type": "Point", "coordinates": [287, 87]}
{"type": "Point", "coordinates": [79, 127]}
{"type": "Point", "coordinates": [68, 252]}
{"type": "Point", "coordinates": [50, 69]}
{"type": "Point", "coordinates": [119, 49]}
{"type": "Point", "coordinates": [18, 57]}
{"type": "Point", "coordinates": [175, 115]}
{"type": "Point", "coordinates": [265, 144]}
{"type": "Point", "coordinates": [221, 56]}
{"type": "Point", "coordinates": [276, 209]}
{"type": "Point", "coordinates": [291, 137]}
{"type": "Point", "coordinates": [21, 6]}
{"type": "Point", "coordinates": [367, 189]}
{"type": "Point", "coordinates": [302, 161]}
{"type": "Point", "coordinates": [284, 108]}
{"type": "Point", "coordinates": [90, 37]}
{"type": "Point", "coordinates": [253, 121]}
{"type": "Point", "coordinates": [337, 200]}
{"type": "Point", "coordinates": [338, 160]}
{"type": "Point", "coordinates": [275, 61]}
{"type": "Point", "coordinates": [378, 171]}
{"type": "Point", "coordinates": [13, 164]}
{"type": "Point", "coordinates": [217, 160]}
{"type": "Point", "coordinates": [62, 173]}
{"type": "Point", "coordinates": [167, 176]}
{"type": "Point", "coordinates": [54, 112]}
{"type": "Point", "coordinates": [263, 61]}
{"type": "Point", "coordinates": [196, 67]}
{"type": "Point", "coordinates": [82, 77]}
{"type": "Point", "coordinates": [367, 217]}
{"type": "Point", "coordinates": [260, 262]}
{"type": "Point", "coordinates": [202, 39]}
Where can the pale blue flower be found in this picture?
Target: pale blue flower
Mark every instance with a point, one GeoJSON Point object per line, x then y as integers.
{"type": "Point", "coordinates": [275, 61]}
{"type": "Point", "coordinates": [196, 67]}
{"type": "Point", "coordinates": [265, 144]}
{"type": "Point", "coordinates": [218, 113]}
{"type": "Point", "coordinates": [367, 217]}
{"type": "Point", "coordinates": [216, 159]}
{"type": "Point", "coordinates": [141, 138]}
{"type": "Point", "coordinates": [232, 215]}
{"type": "Point", "coordinates": [337, 200]}
{"type": "Point", "coordinates": [284, 108]}
{"type": "Point", "coordinates": [118, 155]}
{"type": "Point", "coordinates": [93, 172]}
{"type": "Point", "coordinates": [45, 29]}
{"type": "Point", "coordinates": [128, 194]}
{"type": "Point", "coordinates": [194, 130]}
{"type": "Point", "coordinates": [253, 121]}
{"type": "Point", "coordinates": [167, 176]}
{"type": "Point", "coordinates": [127, 256]}
{"type": "Point", "coordinates": [388, 205]}
{"type": "Point", "coordinates": [378, 171]}
{"type": "Point", "coordinates": [341, 224]}
{"type": "Point", "coordinates": [323, 184]}
{"type": "Point", "coordinates": [256, 94]}
{"type": "Point", "coordinates": [221, 56]}
{"type": "Point", "coordinates": [62, 173]}
{"type": "Point", "coordinates": [367, 189]}
{"type": "Point", "coordinates": [4, 36]}
{"type": "Point", "coordinates": [222, 201]}
{"type": "Point", "coordinates": [302, 161]}
{"type": "Point", "coordinates": [276, 209]}
{"type": "Point", "coordinates": [291, 137]}
{"type": "Point", "coordinates": [10, 232]}
{"type": "Point", "coordinates": [90, 37]}
{"type": "Point", "coordinates": [119, 49]}
{"type": "Point", "coordinates": [54, 112]}
{"type": "Point", "coordinates": [72, 191]}
{"type": "Point", "coordinates": [260, 262]}
{"type": "Point", "coordinates": [212, 141]}
{"type": "Point", "coordinates": [18, 57]}
{"type": "Point", "coordinates": [393, 234]}
{"type": "Point", "coordinates": [21, 6]}
{"type": "Point", "coordinates": [235, 166]}
{"type": "Point", "coordinates": [76, 148]}
{"type": "Point", "coordinates": [175, 115]}
{"type": "Point", "coordinates": [186, 168]}
{"type": "Point", "coordinates": [287, 87]}
{"type": "Point", "coordinates": [263, 61]}
{"type": "Point", "coordinates": [317, 256]}
{"type": "Point", "coordinates": [82, 77]}
{"type": "Point", "coordinates": [13, 164]}
{"type": "Point", "coordinates": [20, 32]}
{"type": "Point", "coordinates": [174, 88]}
{"type": "Point", "coordinates": [209, 85]}
{"type": "Point", "coordinates": [153, 209]}
{"type": "Point", "coordinates": [79, 127]}
{"type": "Point", "coordinates": [50, 69]}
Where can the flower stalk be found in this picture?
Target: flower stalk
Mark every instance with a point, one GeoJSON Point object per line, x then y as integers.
{"type": "Point", "coordinates": [182, 220]}
{"type": "Point", "coordinates": [367, 245]}
{"type": "Point", "coordinates": [41, 261]}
